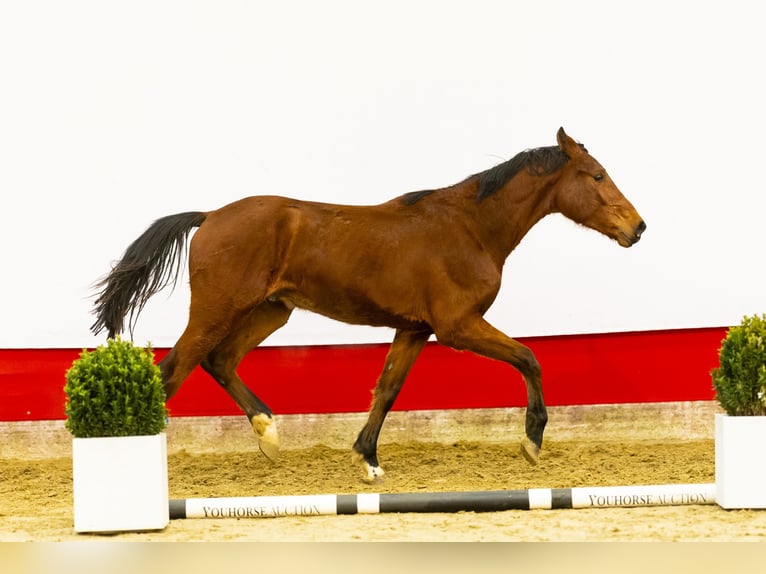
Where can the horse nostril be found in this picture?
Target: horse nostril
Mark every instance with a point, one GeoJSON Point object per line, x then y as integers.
{"type": "Point", "coordinates": [640, 228]}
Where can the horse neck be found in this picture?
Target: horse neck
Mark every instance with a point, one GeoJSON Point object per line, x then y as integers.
{"type": "Point", "coordinates": [505, 217]}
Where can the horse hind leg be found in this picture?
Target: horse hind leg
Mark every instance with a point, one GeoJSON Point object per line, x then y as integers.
{"type": "Point", "coordinates": [222, 361]}
{"type": "Point", "coordinates": [404, 350]}
{"type": "Point", "coordinates": [186, 354]}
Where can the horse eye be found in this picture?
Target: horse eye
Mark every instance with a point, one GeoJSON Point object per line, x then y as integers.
{"type": "Point", "coordinates": [598, 176]}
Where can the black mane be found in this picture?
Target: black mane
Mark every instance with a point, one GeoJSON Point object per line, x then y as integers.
{"type": "Point", "coordinates": [537, 161]}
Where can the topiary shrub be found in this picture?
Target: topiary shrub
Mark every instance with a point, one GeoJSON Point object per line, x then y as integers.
{"type": "Point", "coordinates": [115, 390]}
{"type": "Point", "coordinates": [740, 379]}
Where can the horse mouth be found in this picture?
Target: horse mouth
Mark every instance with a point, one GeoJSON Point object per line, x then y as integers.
{"type": "Point", "coordinates": [630, 239]}
{"type": "Point", "coordinates": [626, 240]}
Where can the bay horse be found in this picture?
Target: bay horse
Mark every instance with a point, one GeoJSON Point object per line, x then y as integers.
{"type": "Point", "coordinates": [425, 263]}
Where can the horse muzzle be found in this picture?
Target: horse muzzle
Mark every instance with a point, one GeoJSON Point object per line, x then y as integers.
{"type": "Point", "coordinates": [627, 239]}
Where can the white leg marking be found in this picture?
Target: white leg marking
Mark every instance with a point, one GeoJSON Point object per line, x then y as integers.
{"type": "Point", "coordinates": [372, 474]}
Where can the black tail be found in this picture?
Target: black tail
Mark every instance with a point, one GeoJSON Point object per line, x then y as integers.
{"type": "Point", "coordinates": [151, 263]}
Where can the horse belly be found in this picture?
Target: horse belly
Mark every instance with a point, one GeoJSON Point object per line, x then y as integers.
{"type": "Point", "coordinates": [352, 308]}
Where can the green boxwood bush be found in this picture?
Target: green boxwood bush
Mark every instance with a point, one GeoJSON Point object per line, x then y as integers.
{"type": "Point", "coordinates": [740, 379]}
{"type": "Point", "coordinates": [115, 390]}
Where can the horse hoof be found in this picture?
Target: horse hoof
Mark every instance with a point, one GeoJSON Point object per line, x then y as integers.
{"type": "Point", "coordinates": [372, 474]}
{"type": "Point", "coordinates": [268, 437]}
{"type": "Point", "coordinates": [375, 474]}
{"type": "Point", "coordinates": [269, 444]}
{"type": "Point", "coordinates": [530, 451]}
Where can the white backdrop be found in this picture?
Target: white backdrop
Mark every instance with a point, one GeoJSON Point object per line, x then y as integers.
{"type": "Point", "coordinates": [113, 114]}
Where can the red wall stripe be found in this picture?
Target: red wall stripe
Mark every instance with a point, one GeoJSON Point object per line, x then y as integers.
{"type": "Point", "coordinates": [636, 367]}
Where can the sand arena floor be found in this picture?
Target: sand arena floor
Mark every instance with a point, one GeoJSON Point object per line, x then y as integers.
{"type": "Point", "coordinates": [36, 480]}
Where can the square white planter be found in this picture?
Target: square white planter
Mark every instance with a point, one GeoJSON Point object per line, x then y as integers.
{"type": "Point", "coordinates": [120, 483]}
{"type": "Point", "coordinates": [740, 467]}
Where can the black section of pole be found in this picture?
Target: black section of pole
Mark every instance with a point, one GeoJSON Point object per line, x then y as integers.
{"type": "Point", "coordinates": [491, 501]}
{"type": "Point", "coordinates": [177, 508]}
{"type": "Point", "coordinates": [561, 498]}
{"type": "Point", "coordinates": [346, 504]}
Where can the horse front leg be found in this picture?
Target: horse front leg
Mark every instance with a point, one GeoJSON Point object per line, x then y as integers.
{"type": "Point", "coordinates": [405, 348]}
{"type": "Point", "coordinates": [480, 337]}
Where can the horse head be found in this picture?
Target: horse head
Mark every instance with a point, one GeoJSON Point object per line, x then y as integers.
{"type": "Point", "coordinates": [587, 195]}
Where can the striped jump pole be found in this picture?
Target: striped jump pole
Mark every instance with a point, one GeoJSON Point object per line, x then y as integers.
{"type": "Point", "coordinates": [481, 501]}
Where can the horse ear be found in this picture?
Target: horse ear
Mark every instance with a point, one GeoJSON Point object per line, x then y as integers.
{"type": "Point", "coordinates": [567, 144]}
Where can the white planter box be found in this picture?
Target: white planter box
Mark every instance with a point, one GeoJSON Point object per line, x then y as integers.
{"type": "Point", "coordinates": [120, 483]}
{"type": "Point", "coordinates": [740, 467]}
